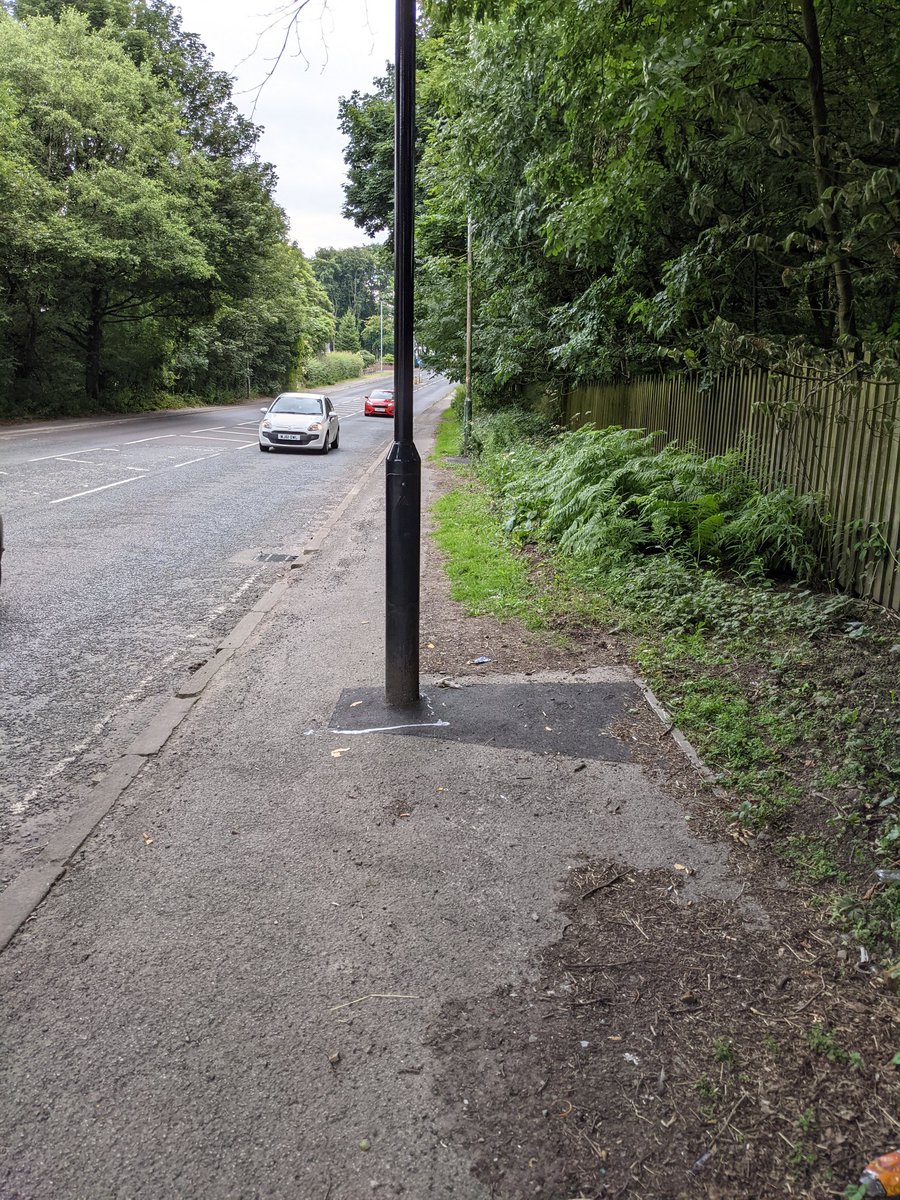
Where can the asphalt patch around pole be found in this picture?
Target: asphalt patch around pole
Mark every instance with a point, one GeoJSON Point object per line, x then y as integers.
{"type": "Point", "coordinates": [572, 719]}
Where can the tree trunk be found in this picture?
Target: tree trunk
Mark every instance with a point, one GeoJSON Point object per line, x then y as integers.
{"type": "Point", "coordinates": [94, 343]}
{"type": "Point", "coordinates": [26, 360]}
{"type": "Point", "coordinates": [846, 317]}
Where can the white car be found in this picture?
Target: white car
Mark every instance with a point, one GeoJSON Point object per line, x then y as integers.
{"type": "Point", "coordinates": [300, 419]}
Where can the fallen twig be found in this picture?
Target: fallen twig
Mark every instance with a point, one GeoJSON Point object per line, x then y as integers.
{"type": "Point", "coordinates": [606, 883]}
{"type": "Point", "coordinates": [372, 996]}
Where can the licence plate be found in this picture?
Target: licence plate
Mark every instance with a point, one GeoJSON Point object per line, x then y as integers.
{"type": "Point", "coordinates": [292, 437]}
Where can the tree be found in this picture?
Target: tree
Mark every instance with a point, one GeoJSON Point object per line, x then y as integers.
{"type": "Point", "coordinates": [367, 122]}
{"type": "Point", "coordinates": [347, 336]}
{"type": "Point", "coordinates": [353, 278]}
{"type": "Point", "coordinates": [649, 184]}
{"type": "Point", "coordinates": [377, 335]}
{"type": "Point", "coordinates": [141, 244]}
{"type": "Point", "coordinates": [116, 239]}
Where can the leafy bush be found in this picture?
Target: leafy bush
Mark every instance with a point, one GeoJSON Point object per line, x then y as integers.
{"type": "Point", "coordinates": [332, 368]}
{"type": "Point", "coordinates": [608, 492]}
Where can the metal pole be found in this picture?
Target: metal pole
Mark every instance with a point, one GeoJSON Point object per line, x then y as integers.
{"type": "Point", "coordinates": [381, 335]}
{"type": "Point", "coordinates": [404, 469]}
{"type": "Point", "coordinates": [467, 404]}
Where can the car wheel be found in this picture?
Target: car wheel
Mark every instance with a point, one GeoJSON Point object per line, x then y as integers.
{"type": "Point", "coordinates": [264, 449]}
{"type": "Point", "coordinates": [337, 440]}
{"type": "Point", "coordinates": [326, 445]}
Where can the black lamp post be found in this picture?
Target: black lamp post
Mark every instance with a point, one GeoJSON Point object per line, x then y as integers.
{"type": "Point", "coordinates": [404, 468]}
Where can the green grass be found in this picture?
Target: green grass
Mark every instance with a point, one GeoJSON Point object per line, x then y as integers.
{"type": "Point", "coordinates": [449, 436]}
{"type": "Point", "coordinates": [762, 677]}
{"type": "Point", "coordinates": [485, 575]}
{"type": "Point", "coordinates": [811, 859]}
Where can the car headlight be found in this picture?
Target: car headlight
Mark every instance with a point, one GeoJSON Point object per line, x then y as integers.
{"type": "Point", "coordinates": [316, 427]}
{"type": "Point", "coordinates": [267, 424]}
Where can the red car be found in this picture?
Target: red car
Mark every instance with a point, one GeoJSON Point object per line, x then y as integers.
{"type": "Point", "coordinates": [380, 403]}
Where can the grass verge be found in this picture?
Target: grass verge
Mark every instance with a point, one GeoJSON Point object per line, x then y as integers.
{"type": "Point", "coordinates": [486, 575]}
{"type": "Point", "coordinates": [791, 694]}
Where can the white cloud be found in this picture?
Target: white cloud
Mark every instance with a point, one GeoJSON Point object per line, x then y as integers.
{"type": "Point", "coordinates": [345, 45]}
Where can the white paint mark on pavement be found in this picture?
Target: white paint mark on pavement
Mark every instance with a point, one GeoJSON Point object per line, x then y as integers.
{"type": "Point", "coordinates": [236, 595]}
{"type": "Point", "coordinates": [90, 491]}
{"type": "Point", "coordinates": [202, 438]}
{"type": "Point", "coordinates": [202, 458]}
{"type": "Point", "coordinates": [157, 438]}
{"type": "Point", "coordinates": [60, 453]}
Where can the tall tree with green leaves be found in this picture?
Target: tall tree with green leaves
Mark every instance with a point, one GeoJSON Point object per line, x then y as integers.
{"type": "Point", "coordinates": [140, 243]}
{"type": "Point", "coordinates": [354, 278]}
{"type": "Point", "coordinates": [347, 335]}
{"type": "Point", "coordinates": [685, 184]}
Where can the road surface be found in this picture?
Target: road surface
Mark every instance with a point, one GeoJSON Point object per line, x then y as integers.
{"type": "Point", "coordinates": [134, 544]}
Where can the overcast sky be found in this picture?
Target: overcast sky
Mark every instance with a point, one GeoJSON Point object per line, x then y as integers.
{"type": "Point", "coordinates": [346, 43]}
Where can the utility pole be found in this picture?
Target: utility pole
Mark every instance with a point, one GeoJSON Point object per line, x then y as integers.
{"type": "Point", "coordinates": [381, 334]}
{"type": "Point", "coordinates": [404, 469]}
{"type": "Point", "coordinates": [467, 404]}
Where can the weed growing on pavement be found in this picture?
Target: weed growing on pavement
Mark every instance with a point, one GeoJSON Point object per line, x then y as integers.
{"type": "Point", "coordinates": [788, 692]}
{"type": "Point", "coordinates": [723, 1051]}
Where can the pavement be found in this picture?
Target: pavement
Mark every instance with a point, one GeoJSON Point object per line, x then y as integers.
{"type": "Point", "coordinates": [231, 990]}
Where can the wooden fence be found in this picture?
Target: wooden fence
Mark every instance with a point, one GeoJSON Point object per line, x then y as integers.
{"type": "Point", "coordinates": [837, 439]}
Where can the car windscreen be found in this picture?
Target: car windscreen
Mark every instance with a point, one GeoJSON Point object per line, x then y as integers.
{"type": "Point", "coordinates": [378, 395]}
{"type": "Point", "coordinates": [301, 406]}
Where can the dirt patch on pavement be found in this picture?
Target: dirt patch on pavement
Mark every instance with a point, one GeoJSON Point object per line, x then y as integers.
{"type": "Point", "coordinates": [665, 1048]}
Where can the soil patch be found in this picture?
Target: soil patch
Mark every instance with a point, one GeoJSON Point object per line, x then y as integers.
{"type": "Point", "coordinates": [665, 1049]}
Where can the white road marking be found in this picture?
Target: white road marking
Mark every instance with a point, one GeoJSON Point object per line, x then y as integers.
{"type": "Point", "coordinates": [207, 429]}
{"type": "Point", "coordinates": [21, 805]}
{"type": "Point", "coordinates": [202, 458]}
{"type": "Point", "coordinates": [201, 438]}
{"type": "Point", "coordinates": [238, 592]}
{"type": "Point", "coordinates": [157, 438]}
{"type": "Point", "coordinates": [90, 491]}
{"type": "Point", "coordinates": [62, 458]}
{"type": "Point", "coordinates": [60, 453]}
{"type": "Point", "coordinates": [247, 445]}
{"type": "Point", "coordinates": [143, 470]}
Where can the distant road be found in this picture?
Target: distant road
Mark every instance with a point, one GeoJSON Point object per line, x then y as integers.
{"type": "Point", "coordinates": [133, 545]}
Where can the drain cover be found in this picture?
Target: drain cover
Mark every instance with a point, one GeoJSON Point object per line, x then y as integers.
{"type": "Point", "coordinates": [276, 557]}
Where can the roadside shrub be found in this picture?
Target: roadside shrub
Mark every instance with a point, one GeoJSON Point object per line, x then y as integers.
{"type": "Point", "coordinates": [331, 368]}
{"type": "Point", "coordinates": [601, 492]}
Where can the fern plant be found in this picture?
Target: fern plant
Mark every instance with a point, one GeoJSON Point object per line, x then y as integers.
{"type": "Point", "coordinates": [609, 492]}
